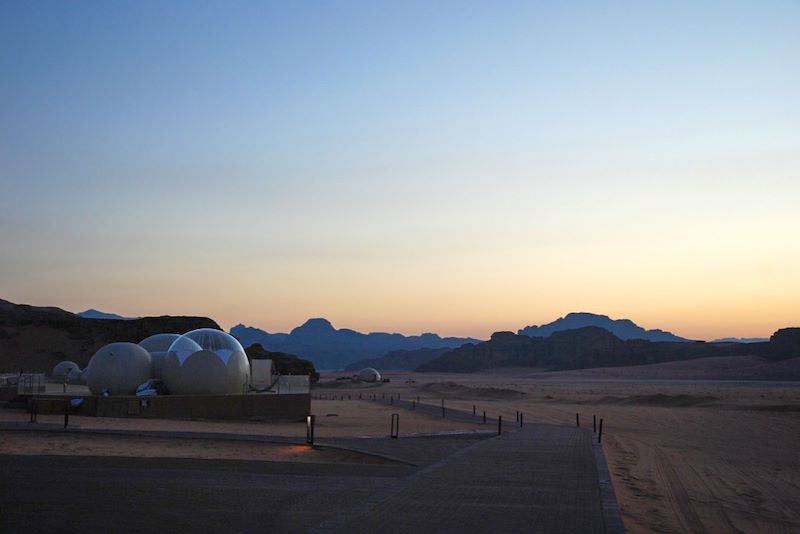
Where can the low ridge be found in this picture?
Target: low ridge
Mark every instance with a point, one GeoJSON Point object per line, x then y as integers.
{"type": "Point", "coordinates": [622, 328]}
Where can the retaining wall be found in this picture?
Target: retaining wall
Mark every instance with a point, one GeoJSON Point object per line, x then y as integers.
{"type": "Point", "coordinates": [290, 406]}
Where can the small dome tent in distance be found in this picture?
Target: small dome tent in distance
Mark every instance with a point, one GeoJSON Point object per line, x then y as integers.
{"type": "Point", "coordinates": [65, 369]}
{"type": "Point", "coordinates": [369, 374]}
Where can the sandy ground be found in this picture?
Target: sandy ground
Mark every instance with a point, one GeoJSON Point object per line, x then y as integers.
{"type": "Point", "coordinates": [334, 418]}
{"type": "Point", "coordinates": [685, 456]}
{"type": "Point", "coordinates": [55, 443]}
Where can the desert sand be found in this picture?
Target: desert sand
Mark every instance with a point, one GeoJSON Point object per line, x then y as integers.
{"type": "Point", "coordinates": [53, 443]}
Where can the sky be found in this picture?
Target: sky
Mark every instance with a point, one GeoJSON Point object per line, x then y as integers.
{"type": "Point", "coordinates": [454, 167]}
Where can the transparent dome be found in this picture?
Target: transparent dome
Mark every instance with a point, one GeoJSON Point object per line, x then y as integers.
{"type": "Point", "coordinates": [206, 362]}
{"type": "Point", "coordinates": [183, 347]}
{"type": "Point", "coordinates": [158, 342]}
{"type": "Point", "coordinates": [220, 343]}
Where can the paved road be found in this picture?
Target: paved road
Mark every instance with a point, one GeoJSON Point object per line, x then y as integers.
{"type": "Point", "coordinates": [541, 478]}
{"type": "Point", "coordinates": [96, 494]}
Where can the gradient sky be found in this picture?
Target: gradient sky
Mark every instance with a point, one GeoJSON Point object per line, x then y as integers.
{"type": "Point", "coordinates": [457, 167]}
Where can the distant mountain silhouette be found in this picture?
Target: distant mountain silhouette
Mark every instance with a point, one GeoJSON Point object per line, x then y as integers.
{"type": "Point", "coordinates": [398, 360]}
{"type": "Point", "coordinates": [622, 328]}
{"type": "Point", "coordinates": [329, 348]}
{"type": "Point", "coordinates": [97, 314]}
{"type": "Point", "coordinates": [741, 340]}
{"type": "Point", "coordinates": [593, 346]}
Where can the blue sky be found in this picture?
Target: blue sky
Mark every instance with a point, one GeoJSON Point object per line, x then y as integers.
{"type": "Point", "coordinates": [460, 167]}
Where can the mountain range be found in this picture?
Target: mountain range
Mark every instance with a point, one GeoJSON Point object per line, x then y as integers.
{"type": "Point", "coordinates": [622, 328]}
{"type": "Point", "coordinates": [331, 348]}
{"type": "Point", "coordinates": [38, 337]}
{"type": "Point", "coordinates": [592, 346]}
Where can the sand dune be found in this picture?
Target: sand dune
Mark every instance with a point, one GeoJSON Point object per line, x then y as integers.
{"type": "Point", "coordinates": [722, 368]}
{"type": "Point", "coordinates": [659, 399]}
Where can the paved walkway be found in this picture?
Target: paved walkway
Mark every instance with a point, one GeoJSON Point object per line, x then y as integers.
{"type": "Point", "coordinates": [66, 494]}
{"type": "Point", "coordinates": [541, 478]}
{"type": "Point", "coordinates": [538, 478]}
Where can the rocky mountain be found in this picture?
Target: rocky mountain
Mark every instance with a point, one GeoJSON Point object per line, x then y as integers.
{"type": "Point", "coordinates": [331, 348]}
{"type": "Point", "coordinates": [622, 328]}
{"type": "Point", "coordinates": [785, 343]}
{"type": "Point", "coordinates": [34, 339]}
{"type": "Point", "coordinates": [592, 346]}
{"type": "Point", "coordinates": [398, 360]}
{"type": "Point", "coordinates": [97, 314]}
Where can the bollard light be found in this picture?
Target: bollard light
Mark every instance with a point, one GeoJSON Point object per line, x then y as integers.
{"type": "Point", "coordinates": [310, 429]}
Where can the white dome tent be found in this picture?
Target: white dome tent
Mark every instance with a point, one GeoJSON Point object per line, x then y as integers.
{"type": "Point", "coordinates": [69, 371]}
{"type": "Point", "coordinates": [158, 345]}
{"type": "Point", "coordinates": [118, 368]}
{"type": "Point", "coordinates": [66, 370]}
{"type": "Point", "coordinates": [369, 374]}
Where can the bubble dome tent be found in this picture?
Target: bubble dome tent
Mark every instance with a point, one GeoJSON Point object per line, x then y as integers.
{"type": "Point", "coordinates": [119, 368]}
{"type": "Point", "coordinates": [69, 372]}
{"type": "Point", "coordinates": [206, 362]}
{"type": "Point", "coordinates": [66, 369]}
{"type": "Point", "coordinates": [369, 374]}
{"type": "Point", "coordinates": [158, 345]}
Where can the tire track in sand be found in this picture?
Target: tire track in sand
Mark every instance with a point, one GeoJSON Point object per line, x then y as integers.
{"type": "Point", "coordinates": [676, 494]}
